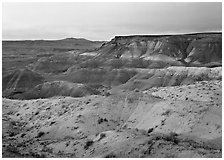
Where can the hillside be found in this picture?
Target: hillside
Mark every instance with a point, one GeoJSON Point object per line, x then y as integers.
{"type": "Point", "coordinates": [67, 43]}
{"type": "Point", "coordinates": [20, 54]}
{"type": "Point", "coordinates": [140, 96]}
{"type": "Point", "coordinates": [60, 88]}
{"type": "Point", "coordinates": [178, 121]}
{"type": "Point", "coordinates": [171, 76]}
{"type": "Point", "coordinates": [20, 81]}
{"type": "Point", "coordinates": [190, 49]}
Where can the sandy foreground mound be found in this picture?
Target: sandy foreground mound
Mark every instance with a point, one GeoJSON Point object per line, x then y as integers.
{"type": "Point", "coordinates": [181, 121]}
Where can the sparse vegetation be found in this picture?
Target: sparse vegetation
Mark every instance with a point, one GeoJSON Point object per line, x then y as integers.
{"type": "Point", "coordinates": [40, 134]}
{"type": "Point", "coordinates": [150, 130]}
{"type": "Point", "coordinates": [102, 135]}
{"type": "Point", "coordinates": [88, 144]}
{"type": "Point", "coordinates": [167, 112]}
{"type": "Point", "coordinates": [110, 155]}
{"type": "Point", "coordinates": [101, 120]}
{"type": "Point", "coordinates": [23, 134]}
{"type": "Point", "coordinates": [12, 149]}
{"type": "Point", "coordinates": [172, 137]}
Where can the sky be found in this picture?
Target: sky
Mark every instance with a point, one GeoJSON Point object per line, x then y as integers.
{"type": "Point", "coordinates": [103, 21]}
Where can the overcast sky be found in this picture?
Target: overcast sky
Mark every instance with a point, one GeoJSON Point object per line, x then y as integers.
{"type": "Point", "coordinates": [103, 21]}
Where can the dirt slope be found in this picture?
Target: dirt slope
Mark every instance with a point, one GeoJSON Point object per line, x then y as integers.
{"type": "Point", "coordinates": [55, 64]}
{"type": "Point", "coordinates": [171, 76]}
{"type": "Point", "coordinates": [101, 76]}
{"type": "Point", "coordinates": [20, 81]}
{"type": "Point", "coordinates": [59, 88]}
{"type": "Point", "coordinates": [194, 110]}
{"type": "Point", "coordinates": [159, 122]}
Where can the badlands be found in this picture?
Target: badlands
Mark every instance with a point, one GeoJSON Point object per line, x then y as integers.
{"type": "Point", "coordinates": [134, 96]}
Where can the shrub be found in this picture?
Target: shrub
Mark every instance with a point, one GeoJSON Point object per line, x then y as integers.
{"type": "Point", "coordinates": [38, 155]}
{"type": "Point", "coordinates": [40, 134]}
{"type": "Point", "coordinates": [110, 155]}
{"type": "Point", "coordinates": [12, 149]}
{"type": "Point", "coordinates": [23, 134]}
{"type": "Point", "coordinates": [102, 135]}
{"type": "Point", "coordinates": [150, 130]}
{"type": "Point", "coordinates": [12, 134]}
{"type": "Point", "coordinates": [88, 144]}
{"type": "Point", "coordinates": [167, 112]}
{"type": "Point", "coordinates": [101, 120]}
{"type": "Point", "coordinates": [172, 137]}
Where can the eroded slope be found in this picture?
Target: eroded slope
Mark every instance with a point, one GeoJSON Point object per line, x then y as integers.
{"type": "Point", "coordinates": [159, 122]}
{"type": "Point", "coordinates": [190, 49]}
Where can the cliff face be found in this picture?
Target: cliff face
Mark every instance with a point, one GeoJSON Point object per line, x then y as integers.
{"type": "Point", "coordinates": [199, 48]}
{"type": "Point", "coordinates": [205, 50]}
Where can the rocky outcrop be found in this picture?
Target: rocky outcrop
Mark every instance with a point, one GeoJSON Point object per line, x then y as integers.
{"type": "Point", "coordinates": [155, 51]}
{"type": "Point", "coordinates": [187, 48]}
{"type": "Point", "coordinates": [205, 50]}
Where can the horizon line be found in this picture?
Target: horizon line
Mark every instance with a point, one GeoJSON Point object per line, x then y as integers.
{"type": "Point", "coordinates": [159, 34]}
